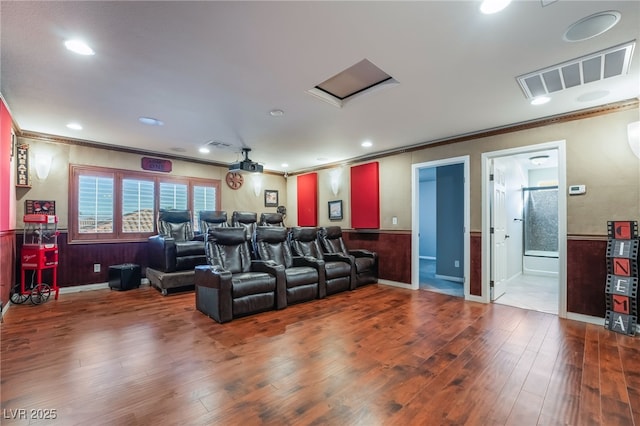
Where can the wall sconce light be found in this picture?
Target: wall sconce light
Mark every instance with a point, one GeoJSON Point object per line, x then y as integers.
{"type": "Point", "coordinates": [257, 183]}
{"type": "Point", "coordinates": [43, 164]}
{"type": "Point", "coordinates": [334, 176]}
{"type": "Point", "coordinates": [633, 133]}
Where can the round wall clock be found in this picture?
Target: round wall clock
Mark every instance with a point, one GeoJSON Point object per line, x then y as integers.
{"type": "Point", "coordinates": [234, 180]}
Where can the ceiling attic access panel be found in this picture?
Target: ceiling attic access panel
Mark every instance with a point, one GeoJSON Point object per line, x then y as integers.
{"type": "Point", "coordinates": [356, 80]}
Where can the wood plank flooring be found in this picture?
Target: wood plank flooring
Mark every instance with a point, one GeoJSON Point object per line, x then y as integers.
{"type": "Point", "coordinates": [374, 356]}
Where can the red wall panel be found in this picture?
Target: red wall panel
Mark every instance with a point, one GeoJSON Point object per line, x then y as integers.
{"type": "Point", "coordinates": [308, 200]}
{"type": "Point", "coordinates": [365, 196]}
{"type": "Point", "coordinates": [5, 167]}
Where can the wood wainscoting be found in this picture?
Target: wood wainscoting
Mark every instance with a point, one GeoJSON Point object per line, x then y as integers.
{"type": "Point", "coordinates": [393, 248]}
{"type": "Point", "coordinates": [7, 263]}
{"type": "Point", "coordinates": [586, 263]}
{"type": "Point", "coordinates": [75, 263]}
{"type": "Point", "coordinates": [586, 275]}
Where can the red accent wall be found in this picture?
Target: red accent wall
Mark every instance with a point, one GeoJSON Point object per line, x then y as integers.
{"type": "Point", "coordinates": [365, 196]}
{"type": "Point", "coordinates": [308, 200]}
{"type": "Point", "coordinates": [5, 168]}
{"type": "Point", "coordinates": [7, 207]}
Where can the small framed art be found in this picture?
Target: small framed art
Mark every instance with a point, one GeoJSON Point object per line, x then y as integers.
{"type": "Point", "coordinates": [335, 210]}
{"type": "Point", "coordinates": [270, 198]}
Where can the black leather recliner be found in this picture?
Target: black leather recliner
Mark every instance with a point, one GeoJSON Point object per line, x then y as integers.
{"type": "Point", "coordinates": [246, 220]}
{"type": "Point", "coordinates": [271, 219]}
{"type": "Point", "coordinates": [174, 248]}
{"type": "Point", "coordinates": [212, 219]}
{"type": "Point", "coordinates": [304, 275]}
{"type": "Point", "coordinates": [366, 261]}
{"type": "Point", "coordinates": [340, 271]}
{"type": "Point", "coordinates": [233, 285]}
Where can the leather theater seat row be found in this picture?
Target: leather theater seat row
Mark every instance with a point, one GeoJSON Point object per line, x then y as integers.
{"type": "Point", "coordinates": [288, 266]}
{"type": "Point", "coordinates": [177, 247]}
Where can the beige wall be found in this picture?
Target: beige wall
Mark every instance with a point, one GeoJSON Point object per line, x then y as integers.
{"type": "Point", "coordinates": [55, 186]}
{"type": "Point", "coordinates": [598, 156]}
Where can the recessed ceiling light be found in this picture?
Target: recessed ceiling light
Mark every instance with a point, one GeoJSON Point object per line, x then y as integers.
{"type": "Point", "coordinates": [285, 165]}
{"type": "Point", "coordinates": [204, 150]}
{"type": "Point", "coordinates": [591, 26]}
{"type": "Point", "coordinates": [150, 121]}
{"type": "Point", "coordinates": [493, 6]}
{"type": "Point", "coordinates": [74, 126]}
{"type": "Point", "coordinates": [540, 100]}
{"type": "Point", "coordinates": [79, 47]}
{"type": "Point", "coordinates": [367, 144]}
{"type": "Point", "coordinates": [276, 112]}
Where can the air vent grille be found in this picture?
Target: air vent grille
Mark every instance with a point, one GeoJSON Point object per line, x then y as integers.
{"type": "Point", "coordinates": [587, 69]}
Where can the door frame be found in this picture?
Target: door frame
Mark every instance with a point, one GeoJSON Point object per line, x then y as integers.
{"type": "Point", "coordinates": [560, 146]}
{"type": "Point", "coordinates": [415, 218]}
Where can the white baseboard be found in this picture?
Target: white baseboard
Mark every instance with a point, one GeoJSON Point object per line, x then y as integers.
{"type": "Point", "coordinates": [395, 284]}
{"type": "Point", "coordinates": [448, 278]}
{"type": "Point", "coordinates": [592, 320]}
{"type": "Point", "coordinates": [92, 287]}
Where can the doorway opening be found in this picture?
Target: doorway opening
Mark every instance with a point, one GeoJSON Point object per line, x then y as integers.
{"type": "Point", "coordinates": [440, 228]}
{"type": "Point", "coordinates": [524, 215]}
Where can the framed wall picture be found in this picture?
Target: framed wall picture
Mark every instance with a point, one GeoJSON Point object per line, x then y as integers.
{"type": "Point", "coordinates": [270, 198]}
{"type": "Point", "coordinates": [335, 210]}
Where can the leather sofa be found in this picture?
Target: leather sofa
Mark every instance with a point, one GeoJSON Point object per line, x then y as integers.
{"type": "Point", "coordinates": [212, 219]}
{"type": "Point", "coordinates": [175, 247]}
{"type": "Point", "coordinates": [271, 219]}
{"type": "Point", "coordinates": [366, 262]}
{"type": "Point", "coordinates": [231, 284]}
{"type": "Point", "coordinates": [304, 275]}
{"type": "Point", "coordinates": [340, 271]}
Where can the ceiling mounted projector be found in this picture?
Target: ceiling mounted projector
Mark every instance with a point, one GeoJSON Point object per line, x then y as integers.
{"type": "Point", "coordinates": [246, 165]}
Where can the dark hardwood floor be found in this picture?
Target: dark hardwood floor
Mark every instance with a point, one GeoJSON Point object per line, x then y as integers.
{"type": "Point", "coordinates": [374, 356]}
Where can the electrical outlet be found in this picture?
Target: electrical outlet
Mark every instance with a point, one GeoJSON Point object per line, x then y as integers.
{"type": "Point", "coordinates": [394, 220]}
{"type": "Point", "coordinates": [456, 263]}
{"type": "Point", "coordinates": [96, 267]}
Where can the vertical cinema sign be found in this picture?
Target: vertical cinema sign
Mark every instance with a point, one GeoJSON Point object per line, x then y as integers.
{"type": "Point", "coordinates": [22, 165]}
{"type": "Point", "coordinates": [622, 277]}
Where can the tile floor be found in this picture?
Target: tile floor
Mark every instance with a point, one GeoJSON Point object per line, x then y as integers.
{"type": "Point", "coordinates": [532, 292]}
{"type": "Point", "coordinates": [535, 293]}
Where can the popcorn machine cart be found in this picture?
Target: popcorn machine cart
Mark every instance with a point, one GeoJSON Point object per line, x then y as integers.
{"type": "Point", "coordinates": [39, 252]}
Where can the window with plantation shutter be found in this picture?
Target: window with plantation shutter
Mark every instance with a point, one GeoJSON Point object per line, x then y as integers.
{"type": "Point", "coordinates": [204, 198]}
{"type": "Point", "coordinates": [173, 196]}
{"type": "Point", "coordinates": [137, 205]}
{"type": "Point", "coordinates": [108, 205]}
{"type": "Point", "coordinates": [95, 204]}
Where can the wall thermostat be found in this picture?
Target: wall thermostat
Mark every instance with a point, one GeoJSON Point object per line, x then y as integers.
{"type": "Point", "coordinates": [577, 189]}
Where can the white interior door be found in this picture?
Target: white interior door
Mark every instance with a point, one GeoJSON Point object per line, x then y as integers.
{"type": "Point", "coordinates": [498, 233]}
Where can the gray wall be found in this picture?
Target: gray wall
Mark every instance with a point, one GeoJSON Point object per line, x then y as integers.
{"type": "Point", "coordinates": [450, 219]}
{"type": "Point", "coordinates": [428, 218]}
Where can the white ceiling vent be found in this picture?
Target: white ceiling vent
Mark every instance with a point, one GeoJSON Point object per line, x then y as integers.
{"type": "Point", "coordinates": [587, 69]}
{"type": "Point", "coordinates": [360, 78]}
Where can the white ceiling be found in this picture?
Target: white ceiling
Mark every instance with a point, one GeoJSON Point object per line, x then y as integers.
{"type": "Point", "coordinates": [214, 70]}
